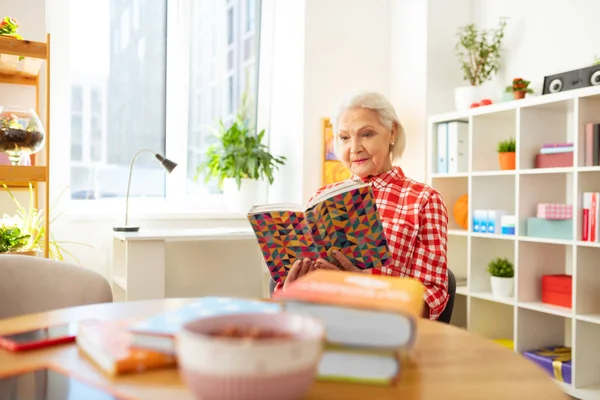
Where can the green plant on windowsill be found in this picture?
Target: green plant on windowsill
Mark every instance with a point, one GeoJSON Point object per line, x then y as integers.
{"type": "Point", "coordinates": [507, 146]}
{"type": "Point", "coordinates": [501, 268]}
{"type": "Point", "coordinates": [30, 223]}
{"type": "Point", "coordinates": [239, 153]}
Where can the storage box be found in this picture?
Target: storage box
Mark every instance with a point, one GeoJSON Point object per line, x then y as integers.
{"type": "Point", "coordinates": [508, 224]}
{"type": "Point", "coordinates": [554, 160]}
{"type": "Point", "coordinates": [494, 221]}
{"type": "Point", "coordinates": [557, 290]}
{"type": "Point", "coordinates": [551, 229]}
{"type": "Point", "coordinates": [555, 360]}
{"type": "Point", "coordinates": [554, 211]}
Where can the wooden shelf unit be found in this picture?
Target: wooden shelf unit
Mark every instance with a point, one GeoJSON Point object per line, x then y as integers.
{"type": "Point", "coordinates": [523, 318]}
{"type": "Point", "coordinates": [27, 73]}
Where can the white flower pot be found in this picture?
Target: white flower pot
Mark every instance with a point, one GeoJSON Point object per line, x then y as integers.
{"type": "Point", "coordinates": [251, 192]}
{"type": "Point", "coordinates": [464, 96]}
{"type": "Point", "coordinates": [502, 287]}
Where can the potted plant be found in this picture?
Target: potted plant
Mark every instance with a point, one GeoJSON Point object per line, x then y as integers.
{"type": "Point", "coordinates": [31, 226]}
{"type": "Point", "coordinates": [479, 55]}
{"type": "Point", "coordinates": [12, 239]}
{"type": "Point", "coordinates": [507, 154]}
{"type": "Point", "coordinates": [519, 88]}
{"type": "Point", "coordinates": [240, 161]}
{"type": "Point", "coordinates": [502, 277]}
{"type": "Point", "coordinates": [9, 27]}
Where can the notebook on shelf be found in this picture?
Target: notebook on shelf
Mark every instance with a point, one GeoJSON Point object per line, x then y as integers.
{"type": "Point", "coordinates": [157, 332]}
{"type": "Point", "coordinates": [342, 218]}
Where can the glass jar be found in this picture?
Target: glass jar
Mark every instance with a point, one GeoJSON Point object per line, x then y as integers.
{"type": "Point", "coordinates": [21, 133]}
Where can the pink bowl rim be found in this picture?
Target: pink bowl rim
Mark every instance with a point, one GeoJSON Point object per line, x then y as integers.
{"type": "Point", "coordinates": [300, 336]}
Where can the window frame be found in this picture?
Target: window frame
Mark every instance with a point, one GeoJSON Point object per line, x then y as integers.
{"type": "Point", "coordinates": [177, 200]}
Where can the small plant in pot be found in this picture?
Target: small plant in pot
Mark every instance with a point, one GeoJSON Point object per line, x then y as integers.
{"type": "Point", "coordinates": [519, 88]}
{"type": "Point", "coordinates": [240, 161]}
{"type": "Point", "coordinates": [502, 277]}
{"type": "Point", "coordinates": [478, 52]}
{"type": "Point", "coordinates": [507, 150]}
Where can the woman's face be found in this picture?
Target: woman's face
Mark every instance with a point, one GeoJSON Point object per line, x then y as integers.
{"type": "Point", "coordinates": [364, 143]}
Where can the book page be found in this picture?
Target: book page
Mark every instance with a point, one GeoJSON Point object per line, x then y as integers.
{"type": "Point", "coordinates": [341, 188]}
{"type": "Point", "coordinates": [275, 207]}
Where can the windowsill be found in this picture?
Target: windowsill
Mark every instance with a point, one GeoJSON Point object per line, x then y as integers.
{"type": "Point", "coordinates": [147, 209]}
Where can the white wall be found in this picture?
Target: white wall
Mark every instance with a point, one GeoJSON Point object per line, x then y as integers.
{"type": "Point", "coordinates": [322, 50]}
{"type": "Point", "coordinates": [543, 37]}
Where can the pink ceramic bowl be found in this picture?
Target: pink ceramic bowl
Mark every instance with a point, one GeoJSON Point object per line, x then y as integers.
{"type": "Point", "coordinates": [226, 368]}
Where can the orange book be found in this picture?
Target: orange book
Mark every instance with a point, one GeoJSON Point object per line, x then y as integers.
{"type": "Point", "coordinates": [359, 309]}
{"type": "Point", "coordinates": [107, 344]}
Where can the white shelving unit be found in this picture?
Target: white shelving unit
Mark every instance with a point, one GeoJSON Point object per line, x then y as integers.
{"type": "Point", "coordinates": [554, 118]}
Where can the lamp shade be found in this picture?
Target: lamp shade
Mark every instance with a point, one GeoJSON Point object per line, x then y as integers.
{"type": "Point", "coordinates": [166, 163]}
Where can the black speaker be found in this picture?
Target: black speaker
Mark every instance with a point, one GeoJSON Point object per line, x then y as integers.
{"type": "Point", "coordinates": [578, 78]}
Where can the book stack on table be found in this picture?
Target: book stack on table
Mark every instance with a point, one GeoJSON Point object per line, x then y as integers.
{"type": "Point", "coordinates": [370, 322]}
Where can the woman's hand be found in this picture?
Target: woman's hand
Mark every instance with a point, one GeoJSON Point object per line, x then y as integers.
{"type": "Point", "coordinates": [345, 264]}
{"type": "Point", "coordinates": [299, 268]}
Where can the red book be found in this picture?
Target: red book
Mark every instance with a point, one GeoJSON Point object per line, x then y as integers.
{"type": "Point", "coordinates": [585, 223]}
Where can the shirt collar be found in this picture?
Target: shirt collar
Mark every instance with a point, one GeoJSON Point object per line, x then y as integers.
{"type": "Point", "coordinates": [385, 178]}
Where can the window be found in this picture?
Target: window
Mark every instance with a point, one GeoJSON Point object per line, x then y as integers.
{"type": "Point", "coordinates": [221, 76]}
{"type": "Point", "coordinates": [122, 76]}
{"type": "Point", "coordinates": [118, 96]}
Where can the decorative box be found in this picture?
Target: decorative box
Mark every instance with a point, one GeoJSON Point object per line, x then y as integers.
{"type": "Point", "coordinates": [494, 218]}
{"type": "Point", "coordinates": [480, 221]}
{"type": "Point", "coordinates": [557, 290]}
{"type": "Point", "coordinates": [508, 224]}
{"type": "Point", "coordinates": [551, 229]}
{"type": "Point", "coordinates": [554, 211]}
{"type": "Point", "coordinates": [554, 160]}
{"type": "Point", "coordinates": [555, 360]}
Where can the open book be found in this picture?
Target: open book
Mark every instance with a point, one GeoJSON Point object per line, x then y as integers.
{"type": "Point", "coordinates": [342, 218]}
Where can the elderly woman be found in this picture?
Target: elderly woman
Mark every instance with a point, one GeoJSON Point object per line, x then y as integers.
{"type": "Point", "coordinates": [369, 139]}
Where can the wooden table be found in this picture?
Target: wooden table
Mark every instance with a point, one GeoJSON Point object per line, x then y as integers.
{"type": "Point", "coordinates": [448, 363]}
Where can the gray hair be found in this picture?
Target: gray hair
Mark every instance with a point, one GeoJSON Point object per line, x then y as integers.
{"type": "Point", "coordinates": [387, 115]}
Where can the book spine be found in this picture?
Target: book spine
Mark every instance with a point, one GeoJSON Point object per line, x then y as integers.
{"type": "Point", "coordinates": [588, 156]}
{"type": "Point", "coordinates": [442, 148]}
{"type": "Point", "coordinates": [585, 223]}
{"type": "Point", "coordinates": [594, 218]}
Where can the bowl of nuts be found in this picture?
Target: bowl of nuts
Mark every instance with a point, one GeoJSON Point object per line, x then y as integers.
{"type": "Point", "coordinates": [250, 356]}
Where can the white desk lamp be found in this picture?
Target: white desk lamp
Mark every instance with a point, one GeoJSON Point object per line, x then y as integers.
{"type": "Point", "coordinates": [165, 162]}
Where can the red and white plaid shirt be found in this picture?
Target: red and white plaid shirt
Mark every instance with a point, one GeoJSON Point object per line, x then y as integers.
{"type": "Point", "coordinates": [415, 220]}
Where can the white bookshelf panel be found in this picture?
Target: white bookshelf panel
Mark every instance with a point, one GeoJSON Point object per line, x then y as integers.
{"type": "Point", "coordinates": [487, 131]}
{"type": "Point", "coordinates": [536, 260]}
{"type": "Point", "coordinates": [589, 112]}
{"type": "Point", "coordinates": [483, 251]}
{"type": "Point", "coordinates": [587, 284]}
{"type": "Point", "coordinates": [589, 181]}
{"type": "Point", "coordinates": [451, 189]}
{"type": "Point", "coordinates": [458, 258]}
{"type": "Point", "coordinates": [493, 193]}
{"type": "Point", "coordinates": [491, 319]}
{"type": "Point", "coordinates": [544, 124]}
{"type": "Point", "coordinates": [587, 357]}
{"type": "Point", "coordinates": [546, 188]}
{"type": "Point", "coordinates": [557, 330]}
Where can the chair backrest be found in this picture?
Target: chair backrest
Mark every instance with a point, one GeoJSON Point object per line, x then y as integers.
{"type": "Point", "coordinates": [30, 284]}
{"type": "Point", "coordinates": [446, 315]}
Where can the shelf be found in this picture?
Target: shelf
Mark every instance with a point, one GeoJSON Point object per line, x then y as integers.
{"type": "Point", "coordinates": [18, 80]}
{"type": "Point", "coordinates": [25, 48]}
{"type": "Point", "coordinates": [13, 69]}
{"type": "Point", "coordinates": [21, 174]}
{"type": "Point", "coordinates": [524, 318]}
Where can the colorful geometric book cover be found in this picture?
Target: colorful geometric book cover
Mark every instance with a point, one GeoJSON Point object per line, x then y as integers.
{"type": "Point", "coordinates": [343, 218]}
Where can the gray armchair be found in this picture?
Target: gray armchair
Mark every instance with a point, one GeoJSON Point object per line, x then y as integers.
{"type": "Point", "coordinates": [35, 284]}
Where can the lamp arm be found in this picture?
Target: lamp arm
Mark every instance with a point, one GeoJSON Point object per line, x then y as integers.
{"type": "Point", "coordinates": [137, 153]}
